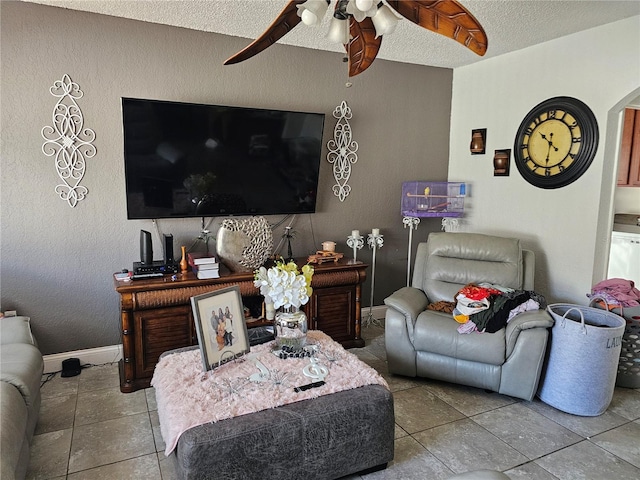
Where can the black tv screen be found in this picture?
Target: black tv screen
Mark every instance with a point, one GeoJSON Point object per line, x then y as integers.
{"type": "Point", "coordinates": [193, 160]}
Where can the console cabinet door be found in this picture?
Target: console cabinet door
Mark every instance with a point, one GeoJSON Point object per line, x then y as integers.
{"type": "Point", "coordinates": [158, 331]}
{"type": "Point", "coordinates": [333, 311]}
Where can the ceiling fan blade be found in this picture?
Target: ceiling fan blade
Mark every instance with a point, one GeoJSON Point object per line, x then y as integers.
{"type": "Point", "coordinates": [283, 24]}
{"type": "Point", "coordinates": [446, 17]}
{"type": "Point", "coordinates": [363, 47]}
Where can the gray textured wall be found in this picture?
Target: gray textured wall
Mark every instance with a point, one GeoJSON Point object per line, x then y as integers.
{"type": "Point", "coordinates": [57, 262]}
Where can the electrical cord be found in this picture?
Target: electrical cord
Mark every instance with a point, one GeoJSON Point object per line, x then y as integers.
{"type": "Point", "coordinates": [51, 375]}
{"type": "Point", "coordinates": [274, 226]}
{"type": "Point", "coordinates": [160, 234]}
{"type": "Point", "coordinates": [276, 251]}
{"type": "Point", "coordinates": [313, 234]}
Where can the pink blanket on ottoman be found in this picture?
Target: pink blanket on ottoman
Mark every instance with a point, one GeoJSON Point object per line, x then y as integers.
{"type": "Point", "coordinates": [188, 397]}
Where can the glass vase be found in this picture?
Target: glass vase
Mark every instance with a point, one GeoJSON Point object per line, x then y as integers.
{"type": "Point", "coordinates": [269, 311]}
{"type": "Point", "coordinates": [291, 328]}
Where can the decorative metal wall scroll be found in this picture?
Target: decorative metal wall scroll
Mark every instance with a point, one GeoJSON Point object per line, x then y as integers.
{"type": "Point", "coordinates": [342, 151]}
{"type": "Point", "coordinates": [68, 141]}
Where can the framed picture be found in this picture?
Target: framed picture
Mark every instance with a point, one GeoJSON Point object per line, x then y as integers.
{"type": "Point", "coordinates": [219, 320]}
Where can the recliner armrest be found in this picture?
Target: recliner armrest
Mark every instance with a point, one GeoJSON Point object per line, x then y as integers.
{"type": "Point", "coordinates": [409, 301]}
{"type": "Point", "coordinates": [525, 321]}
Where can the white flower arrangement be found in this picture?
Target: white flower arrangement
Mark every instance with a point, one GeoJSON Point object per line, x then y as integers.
{"type": "Point", "coordinates": [284, 285]}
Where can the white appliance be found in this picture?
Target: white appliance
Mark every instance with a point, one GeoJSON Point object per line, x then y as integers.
{"type": "Point", "coordinates": [624, 256]}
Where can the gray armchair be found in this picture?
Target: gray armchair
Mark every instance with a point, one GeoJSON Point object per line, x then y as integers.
{"type": "Point", "coordinates": [426, 343]}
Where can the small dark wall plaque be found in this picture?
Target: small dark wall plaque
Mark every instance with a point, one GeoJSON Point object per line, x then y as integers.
{"type": "Point", "coordinates": [501, 163]}
{"type": "Point", "coordinates": [478, 141]}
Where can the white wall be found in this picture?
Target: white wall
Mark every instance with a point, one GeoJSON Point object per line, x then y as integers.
{"type": "Point", "coordinates": [627, 200]}
{"type": "Point", "coordinates": [600, 67]}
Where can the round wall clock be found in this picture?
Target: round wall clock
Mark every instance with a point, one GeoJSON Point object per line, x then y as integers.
{"type": "Point", "coordinates": [556, 142]}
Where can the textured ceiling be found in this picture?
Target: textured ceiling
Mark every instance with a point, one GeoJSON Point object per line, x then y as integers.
{"type": "Point", "coordinates": [510, 24]}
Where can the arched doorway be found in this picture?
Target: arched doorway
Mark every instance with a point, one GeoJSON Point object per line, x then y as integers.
{"type": "Point", "coordinates": [608, 185]}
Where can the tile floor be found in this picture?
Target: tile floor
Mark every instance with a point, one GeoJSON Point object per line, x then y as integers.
{"type": "Point", "coordinates": [89, 430]}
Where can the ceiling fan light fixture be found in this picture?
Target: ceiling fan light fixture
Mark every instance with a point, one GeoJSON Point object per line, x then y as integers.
{"type": "Point", "coordinates": [353, 8]}
{"type": "Point", "coordinates": [384, 20]}
{"type": "Point", "coordinates": [309, 18]}
{"type": "Point", "coordinates": [338, 31]}
{"type": "Point", "coordinates": [312, 11]}
{"type": "Point", "coordinates": [364, 5]}
{"type": "Point", "coordinates": [351, 26]}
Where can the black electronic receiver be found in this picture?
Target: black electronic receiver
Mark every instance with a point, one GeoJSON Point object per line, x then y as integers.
{"type": "Point", "coordinates": [159, 266]}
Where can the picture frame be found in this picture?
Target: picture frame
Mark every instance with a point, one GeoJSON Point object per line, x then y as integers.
{"type": "Point", "coordinates": [220, 326]}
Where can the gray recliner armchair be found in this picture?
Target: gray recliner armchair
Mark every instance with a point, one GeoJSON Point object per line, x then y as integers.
{"type": "Point", "coordinates": [426, 343]}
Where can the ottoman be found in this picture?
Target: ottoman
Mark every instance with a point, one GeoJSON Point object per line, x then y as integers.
{"type": "Point", "coordinates": [328, 433]}
{"type": "Point", "coordinates": [322, 438]}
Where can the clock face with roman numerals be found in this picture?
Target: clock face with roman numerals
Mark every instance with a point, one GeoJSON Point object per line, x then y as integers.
{"type": "Point", "coordinates": [556, 142]}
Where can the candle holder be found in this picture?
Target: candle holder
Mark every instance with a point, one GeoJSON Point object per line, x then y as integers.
{"type": "Point", "coordinates": [412, 223]}
{"type": "Point", "coordinates": [356, 242]}
{"type": "Point", "coordinates": [375, 241]}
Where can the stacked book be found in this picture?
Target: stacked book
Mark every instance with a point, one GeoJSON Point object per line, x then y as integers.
{"type": "Point", "coordinates": [204, 265]}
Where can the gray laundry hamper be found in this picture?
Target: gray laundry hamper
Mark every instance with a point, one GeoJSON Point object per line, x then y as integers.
{"type": "Point", "coordinates": [579, 373]}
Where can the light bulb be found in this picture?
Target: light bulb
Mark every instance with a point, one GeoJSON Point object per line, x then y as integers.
{"type": "Point", "coordinates": [364, 5]}
{"type": "Point", "coordinates": [308, 17]}
{"type": "Point", "coordinates": [312, 11]}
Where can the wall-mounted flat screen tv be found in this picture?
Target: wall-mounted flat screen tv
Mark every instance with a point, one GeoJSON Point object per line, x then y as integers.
{"type": "Point", "coordinates": [194, 160]}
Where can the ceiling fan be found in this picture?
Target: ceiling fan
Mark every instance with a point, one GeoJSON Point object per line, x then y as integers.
{"type": "Point", "coordinates": [360, 24]}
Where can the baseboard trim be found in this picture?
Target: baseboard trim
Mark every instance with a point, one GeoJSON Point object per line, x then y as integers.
{"type": "Point", "coordinates": [92, 356]}
{"type": "Point", "coordinates": [113, 353]}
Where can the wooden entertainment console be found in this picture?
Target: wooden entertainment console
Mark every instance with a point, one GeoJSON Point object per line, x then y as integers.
{"type": "Point", "coordinates": [156, 313]}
